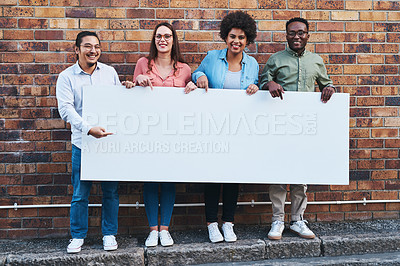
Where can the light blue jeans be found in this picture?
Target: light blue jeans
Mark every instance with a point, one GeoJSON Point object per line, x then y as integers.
{"type": "Point", "coordinates": [167, 200]}
{"type": "Point", "coordinates": [80, 199]}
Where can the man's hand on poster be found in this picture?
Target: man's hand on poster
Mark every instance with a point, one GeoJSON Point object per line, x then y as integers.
{"type": "Point", "coordinates": [275, 89]}
{"type": "Point", "coordinates": [98, 132]}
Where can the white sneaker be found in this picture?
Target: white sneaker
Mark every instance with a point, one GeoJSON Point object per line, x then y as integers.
{"type": "Point", "coordinates": [214, 234]}
{"type": "Point", "coordinates": [152, 239]}
{"type": "Point", "coordinates": [229, 235]}
{"type": "Point", "coordinates": [109, 243]}
{"type": "Point", "coordinates": [75, 245]}
{"type": "Point", "coordinates": [276, 230]}
{"type": "Point", "coordinates": [166, 239]}
{"type": "Point", "coordinates": [300, 228]}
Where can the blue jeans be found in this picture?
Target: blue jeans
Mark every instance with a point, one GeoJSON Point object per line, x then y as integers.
{"type": "Point", "coordinates": [80, 200]}
{"type": "Point", "coordinates": [167, 200]}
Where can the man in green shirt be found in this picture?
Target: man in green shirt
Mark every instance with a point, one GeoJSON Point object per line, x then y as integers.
{"type": "Point", "coordinates": [294, 69]}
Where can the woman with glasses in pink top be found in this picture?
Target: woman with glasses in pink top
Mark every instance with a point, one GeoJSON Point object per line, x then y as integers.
{"type": "Point", "coordinates": [163, 67]}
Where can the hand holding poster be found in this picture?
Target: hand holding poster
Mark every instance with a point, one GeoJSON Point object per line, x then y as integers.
{"type": "Point", "coordinates": [219, 136]}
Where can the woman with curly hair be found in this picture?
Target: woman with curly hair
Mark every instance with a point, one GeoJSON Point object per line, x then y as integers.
{"type": "Point", "coordinates": [230, 68]}
{"type": "Point", "coordinates": [164, 67]}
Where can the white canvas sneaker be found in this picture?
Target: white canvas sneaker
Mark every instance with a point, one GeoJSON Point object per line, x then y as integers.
{"type": "Point", "coordinates": [75, 245]}
{"type": "Point", "coordinates": [229, 235]}
{"type": "Point", "coordinates": [110, 243]}
{"type": "Point", "coordinates": [276, 230]}
{"type": "Point", "coordinates": [166, 239]}
{"type": "Point", "coordinates": [300, 228]}
{"type": "Point", "coordinates": [214, 234]}
{"type": "Point", "coordinates": [152, 239]}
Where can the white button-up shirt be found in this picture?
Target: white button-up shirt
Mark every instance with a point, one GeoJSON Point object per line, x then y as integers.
{"type": "Point", "coordinates": [69, 92]}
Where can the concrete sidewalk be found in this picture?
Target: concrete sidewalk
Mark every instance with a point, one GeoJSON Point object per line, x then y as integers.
{"type": "Point", "coordinates": [193, 247]}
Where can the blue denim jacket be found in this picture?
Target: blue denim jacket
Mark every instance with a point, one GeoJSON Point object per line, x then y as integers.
{"type": "Point", "coordinates": [215, 67]}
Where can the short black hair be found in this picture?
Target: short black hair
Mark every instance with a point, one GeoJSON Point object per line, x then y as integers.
{"type": "Point", "coordinates": [239, 20]}
{"type": "Point", "coordinates": [302, 20]}
{"type": "Point", "coordinates": [82, 34]}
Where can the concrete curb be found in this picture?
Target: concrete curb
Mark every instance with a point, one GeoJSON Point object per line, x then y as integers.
{"type": "Point", "coordinates": [203, 253]}
{"type": "Point", "coordinates": [192, 247]}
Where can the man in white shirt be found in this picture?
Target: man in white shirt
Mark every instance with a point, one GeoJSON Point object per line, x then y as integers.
{"type": "Point", "coordinates": [69, 91]}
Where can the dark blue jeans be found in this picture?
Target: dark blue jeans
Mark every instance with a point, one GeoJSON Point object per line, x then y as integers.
{"type": "Point", "coordinates": [167, 200]}
{"type": "Point", "coordinates": [80, 200]}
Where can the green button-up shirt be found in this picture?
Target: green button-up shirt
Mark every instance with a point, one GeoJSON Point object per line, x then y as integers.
{"type": "Point", "coordinates": [295, 73]}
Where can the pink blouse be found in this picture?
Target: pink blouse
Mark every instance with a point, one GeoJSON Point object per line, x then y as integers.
{"type": "Point", "coordinates": [180, 78]}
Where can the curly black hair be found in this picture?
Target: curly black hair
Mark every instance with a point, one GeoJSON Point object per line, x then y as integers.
{"type": "Point", "coordinates": [239, 20]}
{"type": "Point", "coordinates": [302, 20]}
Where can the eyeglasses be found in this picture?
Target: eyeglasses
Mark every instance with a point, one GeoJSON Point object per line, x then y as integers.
{"type": "Point", "coordinates": [299, 33]}
{"type": "Point", "coordinates": [166, 37]}
{"type": "Point", "coordinates": [90, 47]}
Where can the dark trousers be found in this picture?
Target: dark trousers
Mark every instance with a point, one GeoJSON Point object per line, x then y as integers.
{"type": "Point", "coordinates": [229, 199]}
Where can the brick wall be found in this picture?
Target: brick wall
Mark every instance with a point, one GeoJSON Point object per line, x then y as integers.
{"type": "Point", "coordinates": [359, 41]}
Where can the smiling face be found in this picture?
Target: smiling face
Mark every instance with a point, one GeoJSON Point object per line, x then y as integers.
{"type": "Point", "coordinates": [88, 52]}
{"type": "Point", "coordinates": [297, 36]}
{"type": "Point", "coordinates": [164, 40]}
{"type": "Point", "coordinates": [236, 41]}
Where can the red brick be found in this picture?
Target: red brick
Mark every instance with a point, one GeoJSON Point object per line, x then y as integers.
{"type": "Point", "coordinates": [392, 185]}
{"type": "Point", "coordinates": [49, 35]}
{"type": "Point", "coordinates": [18, 35]}
{"type": "Point", "coordinates": [17, 58]}
{"type": "Point", "coordinates": [140, 13]}
{"type": "Point", "coordinates": [19, 146]}
{"type": "Point", "coordinates": [328, 48]}
{"type": "Point", "coordinates": [385, 69]}
{"type": "Point", "coordinates": [372, 37]}
{"type": "Point", "coordinates": [352, 186]}
{"type": "Point", "coordinates": [344, 37]}
{"type": "Point", "coordinates": [358, 5]}
{"type": "Point", "coordinates": [393, 37]}
{"type": "Point", "coordinates": [359, 133]}
{"type": "Point", "coordinates": [370, 143]}
{"type": "Point", "coordinates": [385, 48]}
{"type": "Point", "coordinates": [383, 195]}
{"type": "Point", "coordinates": [371, 164]}
{"type": "Point", "coordinates": [392, 143]}
{"type": "Point", "coordinates": [50, 146]}
{"type": "Point", "coordinates": [371, 207]}
{"type": "Point", "coordinates": [32, 23]}
{"type": "Point", "coordinates": [33, 2]}
{"type": "Point", "coordinates": [330, 26]}
{"type": "Point", "coordinates": [270, 47]}
{"type": "Point", "coordinates": [124, 3]}
{"type": "Point", "coordinates": [21, 190]}
{"type": "Point", "coordinates": [18, 11]}
{"type": "Point", "coordinates": [392, 164]}
{"type": "Point", "coordinates": [268, 4]}
{"type": "Point", "coordinates": [22, 233]}
{"type": "Point", "coordinates": [387, 27]}
{"type": "Point", "coordinates": [384, 133]}
{"type": "Point", "coordinates": [51, 168]}
{"type": "Point", "coordinates": [358, 26]}
{"type": "Point", "coordinates": [370, 59]}
{"type": "Point", "coordinates": [384, 111]}
{"type": "Point", "coordinates": [343, 208]}
{"type": "Point", "coordinates": [386, 215]}
{"type": "Point", "coordinates": [371, 185]}
{"type": "Point", "coordinates": [358, 216]}
{"type": "Point", "coordinates": [356, 195]}
{"type": "Point", "coordinates": [370, 101]}
{"type": "Point", "coordinates": [357, 48]}
{"type": "Point", "coordinates": [393, 207]}
{"type": "Point", "coordinates": [330, 4]}
{"type": "Point", "coordinates": [10, 223]}
{"type": "Point", "coordinates": [328, 196]}
{"type": "Point", "coordinates": [305, 4]}
{"type": "Point", "coordinates": [328, 217]}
